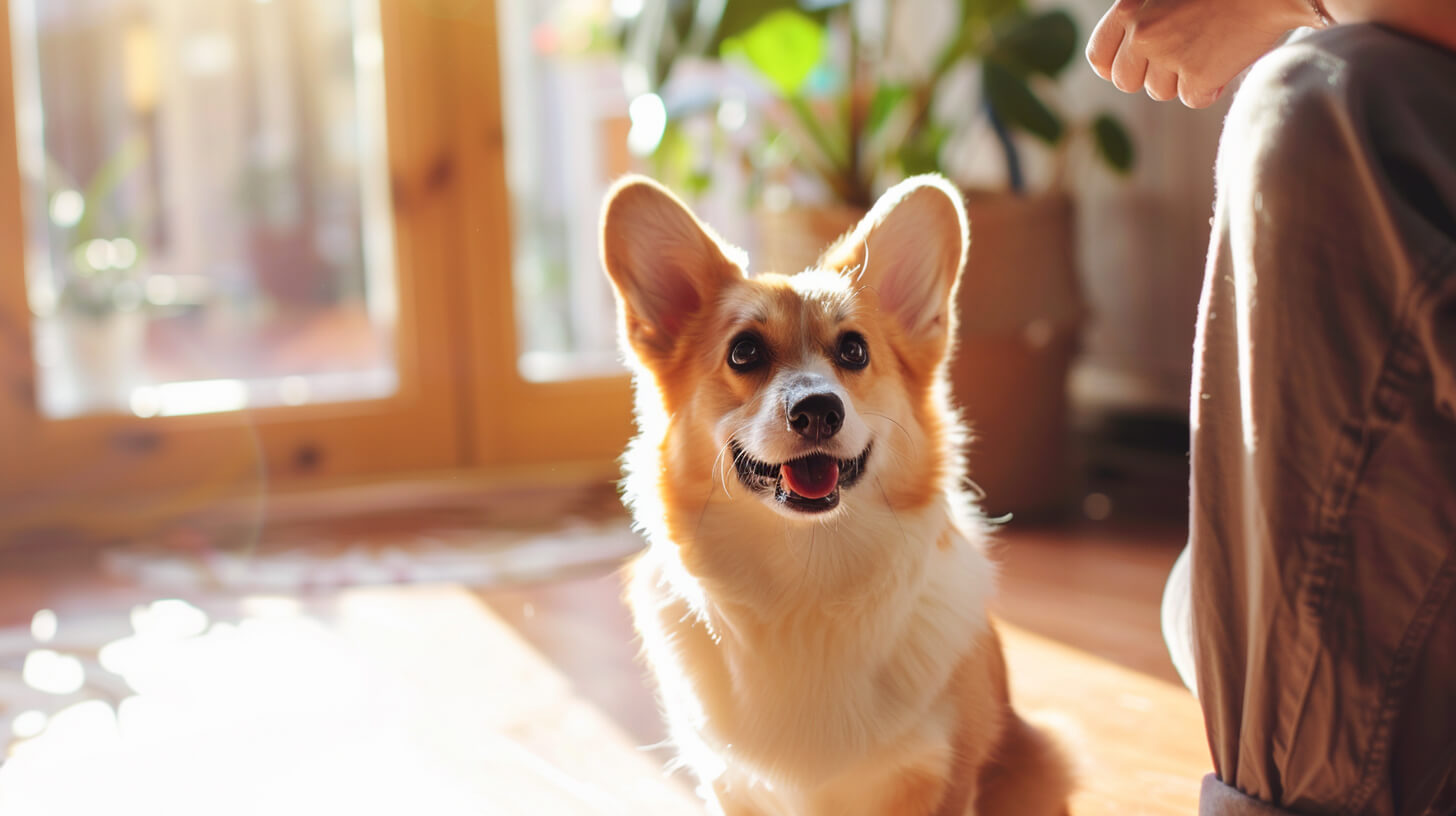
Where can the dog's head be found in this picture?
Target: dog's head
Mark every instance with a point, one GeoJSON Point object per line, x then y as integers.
{"type": "Point", "coordinates": [805, 394]}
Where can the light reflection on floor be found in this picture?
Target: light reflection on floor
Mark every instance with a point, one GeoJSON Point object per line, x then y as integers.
{"type": "Point", "coordinates": [129, 633]}
{"type": "Point", "coordinates": [380, 700]}
{"type": "Point", "coordinates": [354, 694]}
{"type": "Point", "coordinates": [257, 713]}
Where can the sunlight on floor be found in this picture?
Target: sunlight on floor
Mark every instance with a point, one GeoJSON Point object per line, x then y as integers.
{"type": "Point", "coordinates": [382, 701]}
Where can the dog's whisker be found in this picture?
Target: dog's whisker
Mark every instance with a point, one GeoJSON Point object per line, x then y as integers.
{"type": "Point", "coordinates": [703, 513]}
{"type": "Point", "coordinates": [901, 457]}
{"type": "Point", "coordinates": [894, 515]}
{"type": "Point", "coordinates": [739, 457]}
{"type": "Point", "coordinates": [908, 438]}
{"type": "Point", "coordinates": [808, 562]}
{"type": "Point", "coordinates": [723, 473]}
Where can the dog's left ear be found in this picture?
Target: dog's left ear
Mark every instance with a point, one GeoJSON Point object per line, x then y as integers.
{"type": "Point", "coordinates": [664, 263]}
{"type": "Point", "coordinates": [910, 249]}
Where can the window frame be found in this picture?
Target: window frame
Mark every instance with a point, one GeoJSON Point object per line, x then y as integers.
{"type": "Point", "coordinates": [584, 421]}
{"type": "Point", "coordinates": [462, 404]}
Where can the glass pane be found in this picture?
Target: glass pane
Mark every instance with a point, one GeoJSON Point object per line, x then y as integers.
{"type": "Point", "coordinates": [565, 139]}
{"type": "Point", "coordinates": [572, 126]}
{"type": "Point", "coordinates": [207, 203]}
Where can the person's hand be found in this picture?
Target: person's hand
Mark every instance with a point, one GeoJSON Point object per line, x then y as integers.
{"type": "Point", "coordinates": [1190, 49]}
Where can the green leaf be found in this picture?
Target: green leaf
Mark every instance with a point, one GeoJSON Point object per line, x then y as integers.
{"type": "Point", "coordinates": [117, 168]}
{"type": "Point", "coordinates": [989, 10]}
{"type": "Point", "coordinates": [976, 16]}
{"type": "Point", "coordinates": [673, 159]}
{"type": "Point", "coordinates": [922, 155]}
{"type": "Point", "coordinates": [973, 34]}
{"type": "Point", "coordinates": [1114, 144]}
{"type": "Point", "coordinates": [887, 97]}
{"type": "Point", "coordinates": [740, 15]}
{"type": "Point", "coordinates": [785, 46]}
{"type": "Point", "coordinates": [831, 154]}
{"type": "Point", "coordinates": [1040, 44]}
{"type": "Point", "coordinates": [1018, 107]}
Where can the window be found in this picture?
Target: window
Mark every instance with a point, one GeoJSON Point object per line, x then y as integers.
{"type": "Point", "coordinates": [206, 195]}
{"type": "Point", "coordinates": [249, 245]}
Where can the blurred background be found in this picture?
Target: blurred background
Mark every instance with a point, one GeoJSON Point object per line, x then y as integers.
{"type": "Point", "coordinates": [301, 298]}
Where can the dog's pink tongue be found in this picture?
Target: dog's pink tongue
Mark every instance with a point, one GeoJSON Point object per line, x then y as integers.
{"type": "Point", "coordinates": [812, 477]}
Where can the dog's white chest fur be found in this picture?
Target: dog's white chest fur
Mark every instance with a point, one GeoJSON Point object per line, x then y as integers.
{"type": "Point", "coordinates": [834, 646]}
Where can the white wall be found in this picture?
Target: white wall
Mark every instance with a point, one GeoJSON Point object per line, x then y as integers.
{"type": "Point", "coordinates": [1143, 241]}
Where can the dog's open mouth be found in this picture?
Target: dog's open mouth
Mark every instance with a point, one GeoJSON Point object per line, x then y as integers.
{"type": "Point", "coordinates": [808, 484]}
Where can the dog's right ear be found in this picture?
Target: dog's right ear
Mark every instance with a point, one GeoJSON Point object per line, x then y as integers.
{"type": "Point", "coordinates": [664, 263]}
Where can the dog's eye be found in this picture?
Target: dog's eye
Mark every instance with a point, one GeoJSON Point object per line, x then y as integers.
{"type": "Point", "coordinates": [745, 353]}
{"type": "Point", "coordinates": [853, 351]}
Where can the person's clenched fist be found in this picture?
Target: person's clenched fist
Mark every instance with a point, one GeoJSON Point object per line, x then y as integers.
{"type": "Point", "coordinates": [1190, 49]}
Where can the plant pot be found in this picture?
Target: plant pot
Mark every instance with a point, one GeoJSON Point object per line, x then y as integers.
{"type": "Point", "coordinates": [1021, 313]}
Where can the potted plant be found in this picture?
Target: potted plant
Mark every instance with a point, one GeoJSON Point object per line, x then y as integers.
{"type": "Point", "coordinates": [853, 97]}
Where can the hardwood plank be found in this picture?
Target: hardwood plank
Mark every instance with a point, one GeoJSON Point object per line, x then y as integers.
{"type": "Point", "coordinates": [1097, 587]}
{"type": "Point", "coordinates": [389, 700]}
{"type": "Point", "coordinates": [1137, 741]}
{"type": "Point", "coordinates": [494, 686]}
{"type": "Point", "coordinates": [1079, 616]}
{"type": "Point", "coordinates": [516, 699]}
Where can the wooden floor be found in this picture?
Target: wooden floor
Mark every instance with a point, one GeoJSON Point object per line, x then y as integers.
{"type": "Point", "coordinates": [1097, 588]}
{"type": "Point", "coordinates": [1078, 604]}
{"type": "Point", "coordinates": [1080, 608]}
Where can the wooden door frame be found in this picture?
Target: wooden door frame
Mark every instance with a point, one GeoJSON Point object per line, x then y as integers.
{"type": "Point", "coordinates": [58, 470]}
{"type": "Point", "coordinates": [463, 413]}
{"type": "Point", "coordinates": [584, 422]}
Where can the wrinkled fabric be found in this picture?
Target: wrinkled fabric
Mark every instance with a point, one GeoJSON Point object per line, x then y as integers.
{"type": "Point", "coordinates": [1322, 552]}
{"type": "Point", "coordinates": [1217, 799]}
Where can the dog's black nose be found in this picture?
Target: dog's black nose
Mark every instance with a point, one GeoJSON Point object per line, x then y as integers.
{"type": "Point", "coordinates": [817, 417]}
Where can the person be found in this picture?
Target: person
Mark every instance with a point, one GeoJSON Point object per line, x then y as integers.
{"type": "Point", "coordinates": [1314, 609]}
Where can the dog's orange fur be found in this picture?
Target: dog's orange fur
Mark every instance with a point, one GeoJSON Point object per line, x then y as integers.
{"type": "Point", "coordinates": [830, 661]}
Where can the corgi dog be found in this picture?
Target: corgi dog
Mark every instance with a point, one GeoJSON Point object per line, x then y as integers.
{"type": "Point", "coordinates": [812, 597]}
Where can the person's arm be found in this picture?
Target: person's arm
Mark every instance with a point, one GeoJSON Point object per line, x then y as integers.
{"type": "Point", "coordinates": [1430, 20]}
{"type": "Point", "coordinates": [1190, 49]}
